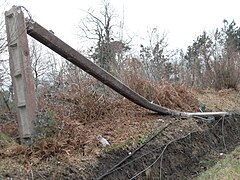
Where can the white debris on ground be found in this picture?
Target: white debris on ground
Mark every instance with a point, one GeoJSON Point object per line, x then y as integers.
{"type": "Point", "coordinates": [103, 141]}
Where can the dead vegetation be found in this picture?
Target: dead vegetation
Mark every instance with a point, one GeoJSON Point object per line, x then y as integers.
{"type": "Point", "coordinates": [78, 109]}
{"type": "Point", "coordinates": [70, 119]}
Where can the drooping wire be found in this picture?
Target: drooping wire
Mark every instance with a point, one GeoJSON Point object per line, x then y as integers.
{"type": "Point", "coordinates": [27, 11]}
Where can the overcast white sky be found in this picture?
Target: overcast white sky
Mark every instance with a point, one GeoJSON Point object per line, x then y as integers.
{"type": "Point", "coordinates": [183, 20]}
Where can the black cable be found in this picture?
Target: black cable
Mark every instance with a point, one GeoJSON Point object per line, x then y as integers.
{"type": "Point", "coordinates": [160, 155]}
{"type": "Point", "coordinates": [27, 11]}
{"type": "Point", "coordinates": [140, 147]}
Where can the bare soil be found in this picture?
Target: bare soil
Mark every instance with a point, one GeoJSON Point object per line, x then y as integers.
{"type": "Point", "coordinates": [184, 158]}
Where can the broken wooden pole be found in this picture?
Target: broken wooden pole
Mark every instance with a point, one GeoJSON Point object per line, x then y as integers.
{"type": "Point", "coordinates": [47, 38]}
{"type": "Point", "coordinates": [21, 73]}
{"type": "Point", "coordinates": [53, 42]}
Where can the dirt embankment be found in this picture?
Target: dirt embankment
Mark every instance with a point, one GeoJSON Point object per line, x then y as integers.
{"type": "Point", "coordinates": [183, 150]}
{"type": "Point", "coordinates": [185, 147]}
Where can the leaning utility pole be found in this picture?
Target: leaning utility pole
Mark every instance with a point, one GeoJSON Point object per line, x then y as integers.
{"type": "Point", "coordinates": [21, 73]}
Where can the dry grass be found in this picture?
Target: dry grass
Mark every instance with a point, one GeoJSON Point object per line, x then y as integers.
{"type": "Point", "coordinates": [77, 114]}
{"type": "Point", "coordinates": [177, 97]}
{"type": "Point", "coordinates": [224, 100]}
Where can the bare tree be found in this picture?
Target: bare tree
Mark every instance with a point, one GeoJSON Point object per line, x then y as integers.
{"type": "Point", "coordinates": [156, 57]}
{"type": "Point", "coordinates": [213, 61]}
{"type": "Point", "coordinates": [99, 29]}
{"type": "Point", "coordinates": [3, 38]}
{"type": "Point", "coordinates": [3, 41]}
{"type": "Point", "coordinates": [36, 55]}
{"type": "Point", "coordinates": [44, 65]}
{"type": "Point", "coordinates": [5, 80]}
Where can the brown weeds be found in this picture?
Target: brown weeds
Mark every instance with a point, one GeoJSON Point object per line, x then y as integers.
{"type": "Point", "coordinates": [80, 113]}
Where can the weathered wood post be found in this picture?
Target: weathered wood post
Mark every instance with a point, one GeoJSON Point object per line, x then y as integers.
{"type": "Point", "coordinates": [21, 73]}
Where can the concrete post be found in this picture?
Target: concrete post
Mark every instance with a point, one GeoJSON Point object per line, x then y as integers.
{"type": "Point", "coordinates": [21, 73]}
